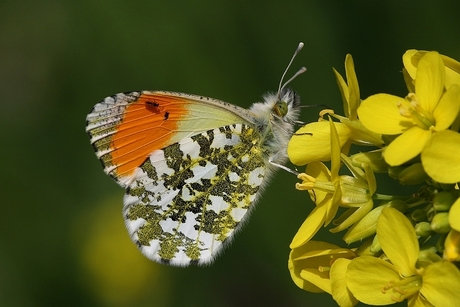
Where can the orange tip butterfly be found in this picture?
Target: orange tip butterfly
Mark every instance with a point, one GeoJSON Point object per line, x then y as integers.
{"type": "Point", "coordinates": [192, 166]}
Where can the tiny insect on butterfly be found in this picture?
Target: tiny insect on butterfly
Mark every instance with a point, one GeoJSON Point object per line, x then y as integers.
{"type": "Point", "coordinates": [192, 166]}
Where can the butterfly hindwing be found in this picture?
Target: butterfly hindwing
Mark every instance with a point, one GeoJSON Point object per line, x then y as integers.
{"type": "Point", "coordinates": [189, 197]}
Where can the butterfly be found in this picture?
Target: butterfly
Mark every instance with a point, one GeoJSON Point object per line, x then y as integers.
{"type": "Point", "coordinates": [193, 167]}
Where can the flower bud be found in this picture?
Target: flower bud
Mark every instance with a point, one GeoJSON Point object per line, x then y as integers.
{"type": "Point", "coordinates": [447, 186]}
{"type": "Point", "coordinates": [372, 158]}
{"type": "Point", "coordinates": [430, 213]}
{"type": "Point", "coordinates": [429, 254]}
{"type": "Point", "coordinates": [413, 174]}
{"type": "Point", "coordinates": [394, 171]}
{"type": "Point", "coordinates": [444, 200]}
{"type": "Point", "coordinates": [423, 229]}
{"type": "Point", "coordinates": [418, 215]}
{"type": "Point", "coordinates": [375, 247]}
{"type": "Point", "coordinates": [440, 223]}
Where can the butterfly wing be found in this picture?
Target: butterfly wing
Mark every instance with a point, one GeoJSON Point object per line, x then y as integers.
{"type": "Point", "coordinates": [192, 167]}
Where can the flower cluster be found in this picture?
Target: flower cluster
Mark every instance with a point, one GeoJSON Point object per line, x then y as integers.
{"type": "Point", "coordinates": [399, 247]}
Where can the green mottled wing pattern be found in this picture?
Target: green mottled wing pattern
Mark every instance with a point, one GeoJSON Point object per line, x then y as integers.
{"type": "Point", "coordinates": [188, 199]}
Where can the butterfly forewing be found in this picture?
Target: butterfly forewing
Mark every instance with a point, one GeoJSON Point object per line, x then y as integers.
{"type": "Point", "coordinates": [126, 128]}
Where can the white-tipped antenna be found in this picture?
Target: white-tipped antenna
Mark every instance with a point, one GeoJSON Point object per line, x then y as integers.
{"type": "Point", "coordinates": [301, 71]}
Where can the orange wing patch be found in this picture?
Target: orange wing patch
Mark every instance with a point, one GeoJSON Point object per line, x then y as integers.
{"type": "Point", "coordinates": [147, 125]}
{"type": "Point", "coordinates": [127, 127]}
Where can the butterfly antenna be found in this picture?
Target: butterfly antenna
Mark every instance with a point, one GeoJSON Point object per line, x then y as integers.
{"type": "Point", "coordinates": [287, 169]}
{"type": "Point", "coordinates": [301, 71]}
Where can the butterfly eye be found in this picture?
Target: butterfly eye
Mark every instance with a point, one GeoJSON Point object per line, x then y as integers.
{"type": "Point", "coordinates": [281, 108]}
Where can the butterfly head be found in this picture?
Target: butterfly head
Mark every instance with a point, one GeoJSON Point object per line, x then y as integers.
{"type": "Point", "coordinates": [287, 102]}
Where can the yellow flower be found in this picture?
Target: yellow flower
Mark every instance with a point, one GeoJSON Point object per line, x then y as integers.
{"type": "Point", "coordinates": [351, 101]}
{"type": "Point", "coordinates": [329, 190]}
{"type": "Point", "coordinates": [350, 92]}
{"type": "Point", "coordinates": [324, 188]}
{"type": "Point", "coordinates": [378, 282]}
{"type": "Point", "coordinates": [412, 57]}
{"type": "Point", "coordinates": [320, 267]}
{"type": "Point", "coordinates": [417, 117]}
{"type": "Point", "coordinates": [312, 142]}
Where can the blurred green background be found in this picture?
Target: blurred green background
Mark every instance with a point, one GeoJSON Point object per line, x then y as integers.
{"type": "Point", "coordinates": [62, 237]}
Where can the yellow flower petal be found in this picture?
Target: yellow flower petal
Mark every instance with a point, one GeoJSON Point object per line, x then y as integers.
{"type": "Point", "coordinates": [441, 158]}
{"type": "Point", "coordinates": [335, 149]}
{"type": "Point", "coordinates": [410, 63]}
{"type": "Point", "coordinates": [429, 82]}
{"type": "Point", "coordinates": [454, 215]}
{"type": "Point", "coordinates": [313, 142]}
{"type": "Point", "coordinates": [333, 207]}
{"type": "Point", "coordinates": [398, 240]}
{"type": "Point", "coordinates": [300, 282]}
{"type": "Point", "coordinates": [320, 280]}
{"type": "Point", "coordinates": [320, 172]}
{"type": "Point", "coordinates": [452, 71]}
{"type": "Point", "coordinates": [452, 246]}
{"type": "Point", "coordinates": [311, 225]}
{"type": "Point", "coordinates": [362, 210]}
{"type": "Point", "coordinates": [340, 292]}
{"type": "Point", "coordinates": [418, 301]}
{"type": "Point", "coordinates": [447, 109]}
{"type": "Point", "coordinates": [370, 178]}
{"type": "Point", "coordinates": [353, 87]}
{"type": "Point", "coordinates": [441, 284]}
{"type": "Point", "coordinates": [350, 91]}
{"type": "Point", "coordinates": [380, 114]}
{"type": "Point", "coordinates": [304, 263]}
{"type": "Point", "coordinates": [409, 81]}
{"type": "Point", "coordinates": [406, 146]}
{"type": "Point", "coordinates": [343, 87]}
{"type": "Point", "coordinates": [366, 278]}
